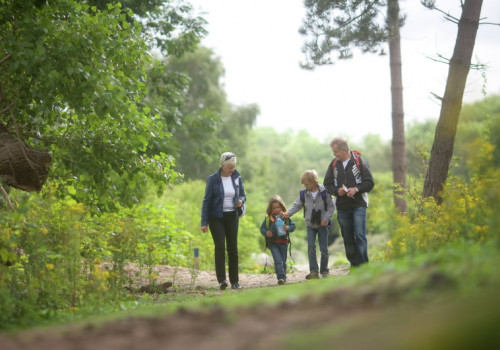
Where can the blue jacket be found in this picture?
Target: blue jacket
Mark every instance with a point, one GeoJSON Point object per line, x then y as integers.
{"type": "Point", "coordinates": [214, 195]}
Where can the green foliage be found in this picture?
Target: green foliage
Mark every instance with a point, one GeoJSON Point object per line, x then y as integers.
{"type": "Point", "coordinates": [376, 151]}
{"type": "Point", "coordinates": [476, 119]}
{"type": "Point", "coordinates": [44, 274]}
{"type": "Point", "coordinates": [380, 214]}
{"type": "Point", "coordinates": [468, 213]}
{"type": "Point", "coordinates": [75, 75]}
{"type": "Point", "coordinates": [202, 122]}
{"type": "Point", "coordinates": [185, 201]}
{"type": "Point", "coordinates": [193, 117]}
{"type": "Point", "coordinates": [58, 258]}
{"type": "Point", "coordinates": [279, 159]}
{"type": "Point", "coordinates": [419, 139]}
{"type": "Point", "coordinates": [167, 25]}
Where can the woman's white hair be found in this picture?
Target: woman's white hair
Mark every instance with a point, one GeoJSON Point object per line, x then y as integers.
{"type": "Point", "coordinates": [227, 158]}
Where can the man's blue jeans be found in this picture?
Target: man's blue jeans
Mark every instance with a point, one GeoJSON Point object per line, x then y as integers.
{"type": "Point", "coordinates": [279, 256]}
{"type": "Point", "coordinates": [353, 227]}
{"type": "Point", "coordinates": [322, 233]}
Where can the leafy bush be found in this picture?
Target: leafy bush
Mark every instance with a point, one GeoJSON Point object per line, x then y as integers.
{"type": "Point", "coordinates": [57, 257]}
{"type": "Point", "coordinates": [468, 213]}
{"type": "Point", "coordinates": [381, 209]}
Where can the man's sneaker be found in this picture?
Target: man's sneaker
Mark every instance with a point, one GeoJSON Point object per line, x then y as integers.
{"type": "Point", "coordinates": [325, 274]}
{"type": "Point", "coordinates": [312, 275]}
{"type": "Point", "coordinates": [223, 285]}
{"type": "Point", "coordinates": [281, 282]}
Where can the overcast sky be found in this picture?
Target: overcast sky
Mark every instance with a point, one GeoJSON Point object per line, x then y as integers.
{"type": "Point", "coordinates": [260, 47]}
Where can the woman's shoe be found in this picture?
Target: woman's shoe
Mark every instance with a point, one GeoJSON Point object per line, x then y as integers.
{"type": "Point", "coordinates": [223, 285]}
{"type": "Point", "coordinates": [235, 286]}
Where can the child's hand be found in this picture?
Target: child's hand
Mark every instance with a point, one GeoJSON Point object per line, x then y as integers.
{"type": "Point", "coordinates": [285, 227]}
{"type": "Point", "coordinates": [324, 223]}
{"type": "Point", "coordinates": [286, 215]}
{"type": "Point", "coordinates": [269, 234]}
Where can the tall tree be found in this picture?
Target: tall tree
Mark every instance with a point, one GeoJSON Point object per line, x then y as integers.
{"type": "Point", "coordinates": [203, 123]}
{"type": "Point", "coordinates": [398, 125]}
{"type": "Point", "coordinates": [459, 67]}
{"type": "Point", "coordinates": [72, 90]}
{"type": "Point", "coordinates": [167, 25]}
{"type": "Point", "coordinates": [192, 118]}
{"type": "Point", "coordinates": [342, 25]}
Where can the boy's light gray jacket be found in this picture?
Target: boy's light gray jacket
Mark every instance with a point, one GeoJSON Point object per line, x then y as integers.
{"type": "Point", "coordinates": [317, 204]}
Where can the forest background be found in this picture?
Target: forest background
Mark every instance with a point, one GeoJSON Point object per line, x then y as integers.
{"type": "Point", "coordinates": [132, 150]}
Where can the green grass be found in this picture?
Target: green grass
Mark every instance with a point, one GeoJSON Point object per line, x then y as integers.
{"type": "Point", "coordinates": [442, 300]}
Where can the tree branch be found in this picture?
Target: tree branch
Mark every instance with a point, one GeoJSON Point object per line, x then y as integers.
{"type": "Point", "coordinates": [431, 5]}
{"type": "Point", "coordinates": [7, 198]}
{"type": "Point", "coordinates": [5, 59]}
{"type": "Point", "coordinates": [490, 23]}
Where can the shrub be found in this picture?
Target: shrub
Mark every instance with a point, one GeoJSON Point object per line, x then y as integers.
{"type": "Point", "coordinates": [468, 213]}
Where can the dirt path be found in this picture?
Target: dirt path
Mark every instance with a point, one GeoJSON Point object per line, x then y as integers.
{"type": "Point", "coordinates": [244, 329]}
{"type": "Point", "coordinates": [188, 279]}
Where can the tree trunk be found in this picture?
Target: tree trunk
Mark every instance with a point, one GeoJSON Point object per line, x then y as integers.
{"type": "Point", "coordinates": [444, 138]}
{"type": "Point", "coordinates": [398, 126]}
{"type": "Point", "coordinates": [22, 166]}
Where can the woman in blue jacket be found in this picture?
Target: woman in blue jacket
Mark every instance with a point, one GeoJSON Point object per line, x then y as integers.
{"type": "Point", "coordinates": [223, 205]}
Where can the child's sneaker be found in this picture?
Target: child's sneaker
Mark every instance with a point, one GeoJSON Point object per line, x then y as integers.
{"type": "Point", "coordinates": [281, 282]}
{"type": "Point", "coordinates": [312, 275]}
{"type": "Point", "coordinates": [325, 274]}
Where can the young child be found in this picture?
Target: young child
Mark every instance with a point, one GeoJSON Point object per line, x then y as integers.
{"type": "Point", "coordinates": [276, 229]}
{"type": "Point", "coordinates": [319, 209]}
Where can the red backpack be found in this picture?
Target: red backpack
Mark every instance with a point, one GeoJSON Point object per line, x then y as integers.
{"type": "Point", "coordinates": [357, 154]}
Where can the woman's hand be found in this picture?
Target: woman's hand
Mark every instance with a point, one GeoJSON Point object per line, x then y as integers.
{"type": "Point", "coordinates": [269, 234]}
{"type": "Point", "coordinates": [204, 228]}
{"type": "Point", "coordinates": [239, 204]}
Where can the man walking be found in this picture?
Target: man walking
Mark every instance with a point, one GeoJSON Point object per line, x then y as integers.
{"type": "Point", "coordinates": [349, 179]}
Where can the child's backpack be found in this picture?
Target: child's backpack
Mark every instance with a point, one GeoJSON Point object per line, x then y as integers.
{"type": "Point", "coordinates": [359, 165]}
{"type": "Point", "coordinates": [268, 225]}
{"type": "Point", "coordinates": [302, 195]}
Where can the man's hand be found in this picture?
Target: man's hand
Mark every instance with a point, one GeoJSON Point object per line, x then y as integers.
{"type": "Point", "coordinates": [342, 191]}
{"type": "Point", "coordinates": [351, 192]}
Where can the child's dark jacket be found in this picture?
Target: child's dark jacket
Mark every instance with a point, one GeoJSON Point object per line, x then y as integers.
{"type": "Point", "coordinates": [272, 227]}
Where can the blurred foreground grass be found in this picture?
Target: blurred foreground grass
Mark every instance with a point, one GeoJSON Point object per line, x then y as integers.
{"type": "Point", "coordinates": [442, 300]}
